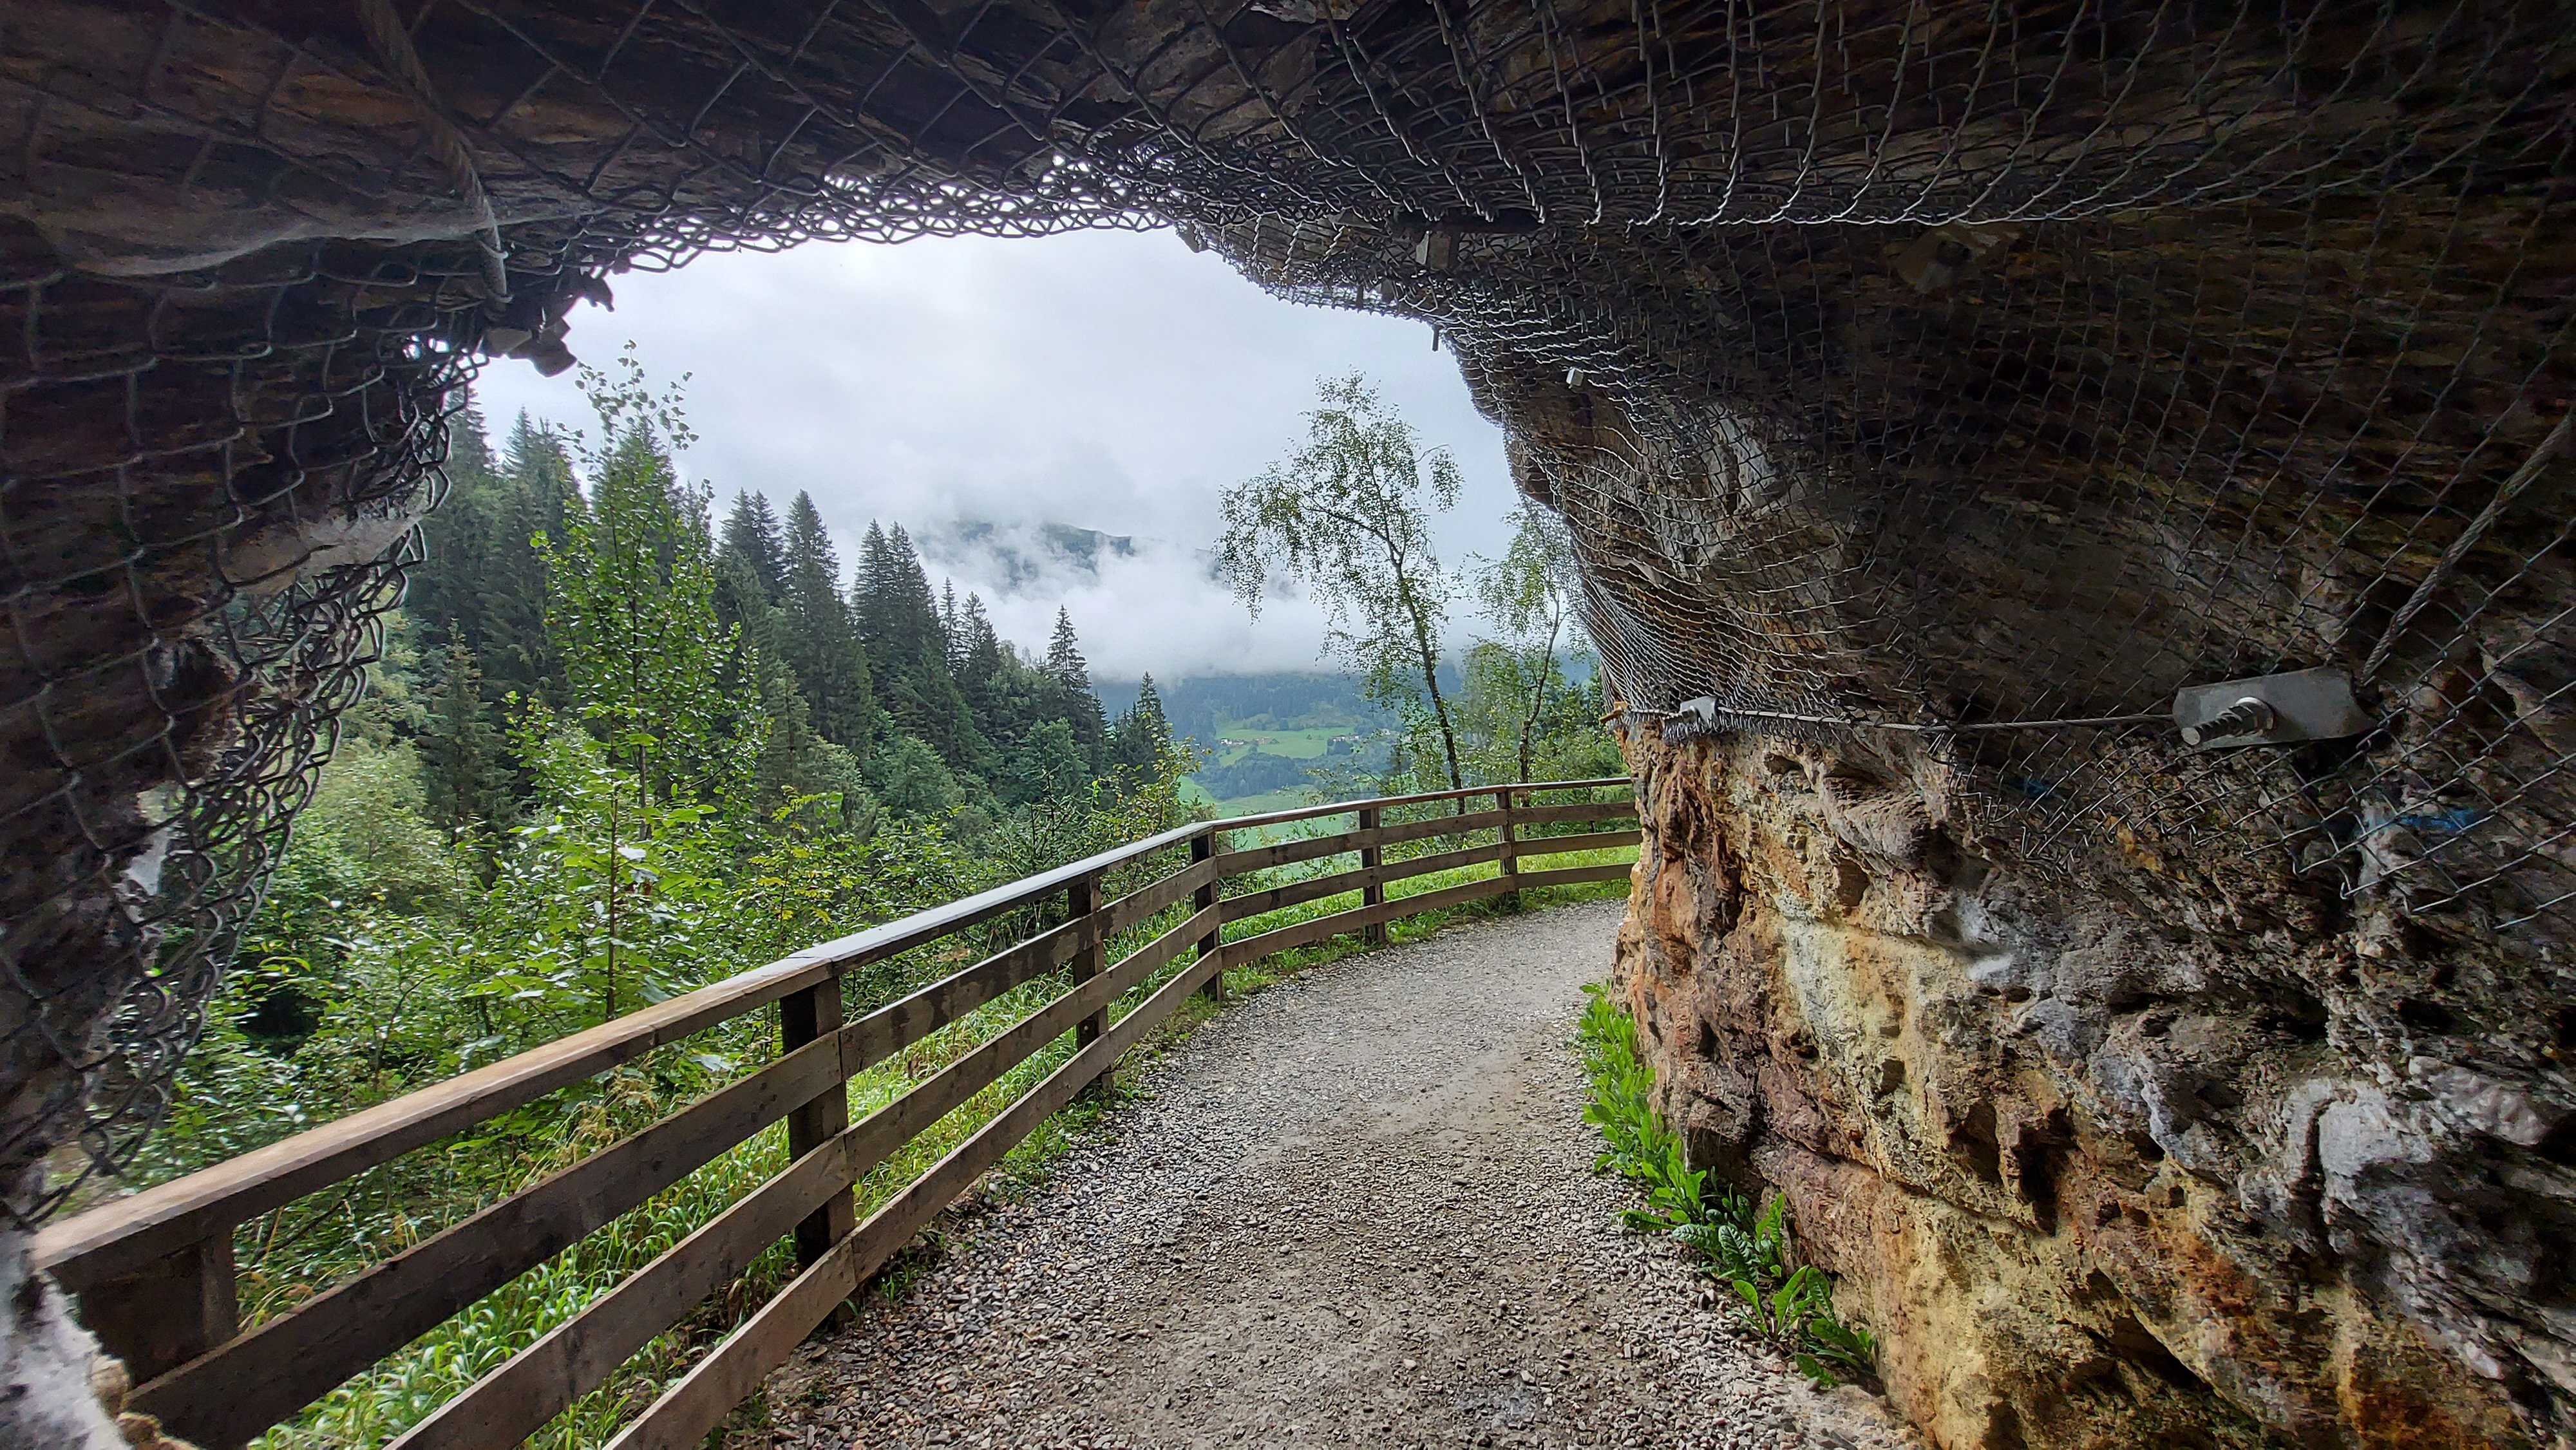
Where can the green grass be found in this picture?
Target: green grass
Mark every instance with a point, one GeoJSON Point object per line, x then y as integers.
{"type": "Point", "coordinates": [1293, 744]}
{"type": "Point", "coordinates": [379, 1404]}
{"type": "Point", "coordinates": [1263, 804]}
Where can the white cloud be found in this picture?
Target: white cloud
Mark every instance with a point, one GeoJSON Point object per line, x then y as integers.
{"type": "Point", "coordinates": [1107, 380]}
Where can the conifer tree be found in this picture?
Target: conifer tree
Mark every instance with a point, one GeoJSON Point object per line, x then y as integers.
{"type": "Point", "coordinates": [752, 533]}
{"type": "Point", "coordinates": [634, 615]}
{"type": "Point", "coordinates": [515, 650]}
{"type": "Point", "coordinates": [1142, 736]}
{"type": "Point", "coordinates": [1069, 681]}
{"type": "Point", "coordinates": [909, 645]}
{"type": "Point", "coordinates": [446, 589]}
{"type": "Point", "coordinates": [819, 640]}
{"type": "Point", "coordinates": [482, 584]}
{"type": "Point", "coordinates": [464, 780]}
{"type": "Point", "coordinates": [795, 762]}
{"type": "Point", "coordinates": [1047, 765]}
{"type": "Point", "coordinates": [981, 666]}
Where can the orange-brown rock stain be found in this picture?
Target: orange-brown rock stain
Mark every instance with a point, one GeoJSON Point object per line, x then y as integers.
{"type": "Point", "coordinates": [1847, 1006]}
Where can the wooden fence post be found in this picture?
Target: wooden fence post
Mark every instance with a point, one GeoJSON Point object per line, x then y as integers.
{"type": "Point", "coordinates": [1082, 901]}
{"type": "Point", "coordinates": [1511, 861]}
{"type": "Point", "coordinates": [168, 1312]}
{"type": "Point", "coordinates": [1203, 848]}
{"type": "Point", "coordinates": [1373, 891]}
{"type": "Point", "coordinates": [805, 1017]}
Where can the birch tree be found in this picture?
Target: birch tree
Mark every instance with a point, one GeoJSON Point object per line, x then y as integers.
{"type": "Point", "coordinates": [1349, 516]}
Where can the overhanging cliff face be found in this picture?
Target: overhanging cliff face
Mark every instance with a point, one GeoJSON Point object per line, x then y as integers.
{"type": "Point", "coordinates": [2144, 1153]}
{"type": "Point", "coordinates": [1894, 365]}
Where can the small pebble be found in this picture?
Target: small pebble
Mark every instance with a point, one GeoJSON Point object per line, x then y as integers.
{"type": "Point", "coordinates": [1267, 1246]}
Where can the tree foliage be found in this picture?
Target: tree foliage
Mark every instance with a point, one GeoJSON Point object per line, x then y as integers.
{"type": "Point", "coordinates": [1349, 516]}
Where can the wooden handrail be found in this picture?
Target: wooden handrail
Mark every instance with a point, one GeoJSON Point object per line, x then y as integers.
{"type": "Point", "coordinates": [220, 1388]}
{"type": "Point", "coordinates": [129, 1233]}
{"type": "Point", "coordinates": [1343, 808]}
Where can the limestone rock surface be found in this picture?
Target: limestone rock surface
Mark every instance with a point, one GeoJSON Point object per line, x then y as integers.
{"type": "Point", "coordinates": [2151, 1152]}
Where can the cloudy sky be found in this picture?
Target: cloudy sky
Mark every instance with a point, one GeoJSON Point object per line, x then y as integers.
{"type": "Point", "coordinates": [1106, 380]}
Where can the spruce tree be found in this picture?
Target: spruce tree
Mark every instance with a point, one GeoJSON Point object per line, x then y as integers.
{"type": "Point", "coordinates": [752, 533]}
{"type": "Point", "coordinates": [1069, 689]}
{"type": "Point", "coordinates": [463, 776]}
{"type": "Point", "coordinates": [981, 665]}
{"type": "Point", "coordinates": [633, 613]}
{"type": "Point", "coordinates": [906, 640]}
{"type": "Point", "coordinates": [482, 584]}
{"type": "Point", "coordinates": [515, 650]}
{"type": "Point", "coordinates": [447, 587]}
{"type": "Point", "coordinates": [796, 763]}
{"type": "Point", "coordinates": [818, 639]}
{"type": "Point", "coordinates": [1142, 736]}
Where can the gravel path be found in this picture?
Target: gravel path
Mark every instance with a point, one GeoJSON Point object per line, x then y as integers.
{"type": "Point", "coordinates": [1355, 1209]}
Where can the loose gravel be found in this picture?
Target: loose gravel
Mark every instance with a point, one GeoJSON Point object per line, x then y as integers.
{"type": "Point", "coordinates": [1355, 1209]}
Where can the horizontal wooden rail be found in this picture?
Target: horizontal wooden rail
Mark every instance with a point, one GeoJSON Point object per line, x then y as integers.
{"type": "Point", "coordinates": [132, 1232]}
{"type": "Point", "coordinates": [221, 1388]}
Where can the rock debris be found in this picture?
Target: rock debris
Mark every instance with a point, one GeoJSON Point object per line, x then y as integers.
{"type": "Point", "coordinates": [1356, 1209]}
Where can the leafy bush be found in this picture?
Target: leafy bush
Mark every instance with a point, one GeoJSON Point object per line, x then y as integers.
{"type": "Point", "coordinates": [1789, 1304]}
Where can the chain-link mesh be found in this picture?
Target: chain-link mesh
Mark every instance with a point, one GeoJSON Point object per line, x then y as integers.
{"type": "Point", "coordinates": [1903, 363]}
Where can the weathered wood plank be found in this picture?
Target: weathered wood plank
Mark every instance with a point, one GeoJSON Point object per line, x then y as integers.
{"type": "Point", "coordinates": [1315, 888]}
{"type": "Point", "coordinates": [1408, 867]}
{"type": "Point", "coordinates": [1308, 813]}
{"type": "Point", "coordinates": [1324, 928]}
{"type": "Point", "coordinates": [1575, 875]}
{"type": "Point", "coordinates": [1373, 893]}
{"type": "Point", "coordinates": [125, 1236]}
{"type": "Point", "coordinates": [681, 1418]}
{"type": "Point", "coordinates": [1589, 841]}
{"type": "Point", "coordinates": [173, 1311]}
{"type": "Point", "coordinates": [241, 1387]}
{"type": "Point", "coordinates": [1577, 811]}
{"type": "Point", "coordinates": [1082, 903]}
{"type": "Point", "coordinates": [1262, 858]}
{"type": "Point", "coordinates": [1203, 900]}
{"type": "Point", "coordinates": [1146, 902]}
{"type": "Point", "coordinates": [1295, 893]}
{"type": "Point", "coordinates": [1285, 853]}
{"type": "Point", "coordinates": [578, 1356]}
{"type": "Point", "coordinates": [802, 1018]}
{"type": "Point", "coordinates": [908, 1019]}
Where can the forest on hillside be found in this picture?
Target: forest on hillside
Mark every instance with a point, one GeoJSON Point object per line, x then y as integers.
{"type": "Point", "coordinates": [615, 748]}
{"type": "Point", "coordinates": [619, 743]}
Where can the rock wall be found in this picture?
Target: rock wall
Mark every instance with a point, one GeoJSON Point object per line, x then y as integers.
{"type": "Point", "coordinates": [2151, 1152]}
{"type": "Point", "coordinates": [1927, 363]}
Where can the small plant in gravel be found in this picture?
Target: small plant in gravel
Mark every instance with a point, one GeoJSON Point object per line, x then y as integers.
{"type": "Point", "coordinates": [1748, 1249]}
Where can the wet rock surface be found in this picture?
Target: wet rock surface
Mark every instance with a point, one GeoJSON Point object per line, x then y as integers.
{"type": "Point", "coordinates": [2159, 1150]}
{"type": "Point", "coordinates": [1356, 1209]}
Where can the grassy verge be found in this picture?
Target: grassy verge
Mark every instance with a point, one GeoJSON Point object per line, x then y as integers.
{"type": "Point", "coordinates": [1748, 1250]}
{"type": "Point", "coordinates": [377, 1406]}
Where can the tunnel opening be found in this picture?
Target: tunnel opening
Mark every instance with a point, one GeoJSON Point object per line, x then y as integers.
{"type": "Point", "coordinates": [1872, 417]}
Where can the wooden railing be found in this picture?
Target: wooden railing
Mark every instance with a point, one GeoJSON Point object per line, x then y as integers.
{"type": "Point", "coordinates": [154, 1272]}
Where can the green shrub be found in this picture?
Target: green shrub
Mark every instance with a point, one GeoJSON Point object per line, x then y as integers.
{"type": "Point", "coordinates": [1791, 1305]}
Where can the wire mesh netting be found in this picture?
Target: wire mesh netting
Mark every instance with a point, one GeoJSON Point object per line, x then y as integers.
{"type": "Point", "coordinates": [1895, 365]}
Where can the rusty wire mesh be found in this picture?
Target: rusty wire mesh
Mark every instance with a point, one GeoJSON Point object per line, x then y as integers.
{"type": "Point", "coordinates": [1894, 364]}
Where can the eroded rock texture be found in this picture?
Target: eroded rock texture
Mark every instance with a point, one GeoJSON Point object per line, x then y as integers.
{"type": "Point", "coordinates": [1894, 362]}
{"type": "Point", "coordinates": [2154, 1152]}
